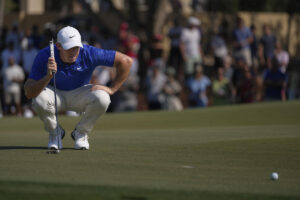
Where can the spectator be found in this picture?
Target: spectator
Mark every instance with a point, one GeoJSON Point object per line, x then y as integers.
{"type": "Point", "coordinates": [25, 40]}
{"type": "Point", "coordinates": [172, 90]}
{"type": "Point", "coordinates": [123, 37]}
{"type": "Point", "coordinates": [175, 57]}
{"type": "Point", "coordinates": [128, 94]}
{"type": "Point", "coordinates": [28, 57]}
{"type": "Point", "coordinates": [198, 6]}
{"type": "Point", "coordinates": [254, 46]}
{"type": "Point", "coordinates": [14, 36]}
{"type": "Point", "coordinates": [132, 51]}
{"type": "Point", "coordinates": [221, 88]}
{"type": "Point", "coordinates": [129, 44]}
{"type": "Point", "coordinates": [219, 48]}
{"type": "Point", "coordinates": [101, 76]}
{"type": "Point", "coordinates": [267, 43]}
{"type": "Point", "coordinates": [246, 89]}
{"type": "Point", "coordinates": [228, 70]}
{"type": "Point", "coordinates": [3, 35]}
{"type": "Point", "coordinates": [282, 57]}
{"type": "Point", "coordinates": [237, 77]}
{"type": "Point", "coordinates": [190, 46]}
{"type": "Point", "coordinates": [275, 82]}
{"type": "Point", "coordinates": [13, 78]}
{"type": "Point", "coordinates": [157, 52]}
{"type": "Point", "coordinates": [155, 84]}
{"type": "Point", "coordinates": [10, 52]}
{"type": "Point", "coordinates": [242, 38]}
{"type": "Point", "coordinates": [199, 87]}
{"type": "Point", "coordinates": [35, 37]}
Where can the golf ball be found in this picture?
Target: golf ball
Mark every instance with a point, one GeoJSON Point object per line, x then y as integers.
{"type": "Point", "coordinates": [274, 176]}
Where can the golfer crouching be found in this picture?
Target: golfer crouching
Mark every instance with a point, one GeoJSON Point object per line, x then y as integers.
{"type": "Point", "coordinates": [74, 64]}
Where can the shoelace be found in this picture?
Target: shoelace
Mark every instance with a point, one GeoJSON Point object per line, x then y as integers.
{"type": "Point", "coordinates": [81, 137]}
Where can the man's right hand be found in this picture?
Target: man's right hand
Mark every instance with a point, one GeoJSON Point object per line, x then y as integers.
{"type": "Point", "coordinates": [52, 67]}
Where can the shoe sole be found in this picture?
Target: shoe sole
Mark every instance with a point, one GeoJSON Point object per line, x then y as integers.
{"type": "Point", "coordinates": [81, 148]}
{"type": "Point", "coordinates": [53, 148]}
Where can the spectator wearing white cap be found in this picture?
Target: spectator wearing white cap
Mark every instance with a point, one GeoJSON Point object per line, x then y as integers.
{"type": "Point", "coordinates": [190, 46]}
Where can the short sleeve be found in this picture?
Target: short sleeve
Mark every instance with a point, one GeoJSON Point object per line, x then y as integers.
{"type": "Point", "coordinates": [101, 57]}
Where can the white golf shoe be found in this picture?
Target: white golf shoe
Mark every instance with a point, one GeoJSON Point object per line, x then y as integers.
{"type": "Point", "coordinates": [81, 140]}
{"type": "Point", "coordinates": [53, 142]}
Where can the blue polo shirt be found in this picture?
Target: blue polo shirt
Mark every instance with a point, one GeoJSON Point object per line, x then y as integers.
{"type": "Point", "coordinates": [240, 35]}
{"type": "Point", "coordinates": [271, 91]}
{"type": "Point", "coordinates": [72, 76]}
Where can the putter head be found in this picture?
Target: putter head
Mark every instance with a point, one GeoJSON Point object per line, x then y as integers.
{"type": "Point", "coordinates": [53, 151]}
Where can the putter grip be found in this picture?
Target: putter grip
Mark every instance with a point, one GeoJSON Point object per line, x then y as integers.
{"type": "Point", "coordinates": [52, 48]}
{"type": "Point", "coordinates": [52, 53]}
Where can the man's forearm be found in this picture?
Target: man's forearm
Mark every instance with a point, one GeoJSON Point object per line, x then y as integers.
{"type": "Point", "coordinates": [34, 88]}
{"type": "Point", "coordinates": [123, 69]}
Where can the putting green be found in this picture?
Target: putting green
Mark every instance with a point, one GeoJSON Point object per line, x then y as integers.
{"type": "Point", "coordinates": [214, 153]}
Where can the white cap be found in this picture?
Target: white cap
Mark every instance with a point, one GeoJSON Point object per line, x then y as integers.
{"type": "Point", "coordinates": [69, 37]}
{"type": "Point", "coordinates": [194, 21]}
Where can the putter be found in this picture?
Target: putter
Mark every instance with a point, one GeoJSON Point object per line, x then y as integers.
{"type": "Point", "coordinates": [55, 104]}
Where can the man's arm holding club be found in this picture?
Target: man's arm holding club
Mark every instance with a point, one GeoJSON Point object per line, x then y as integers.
{"type": "Point", "coordinates": [33, 88]}
{"type": "Point", "coordinates": [122, 64]}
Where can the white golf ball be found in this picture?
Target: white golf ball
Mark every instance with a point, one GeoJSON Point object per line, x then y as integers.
{"type": "Point", "coordinates": [274, 176]}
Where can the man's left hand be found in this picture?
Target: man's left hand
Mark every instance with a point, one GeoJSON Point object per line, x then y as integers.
{"type": "Point", "coordinates": [102, 87]}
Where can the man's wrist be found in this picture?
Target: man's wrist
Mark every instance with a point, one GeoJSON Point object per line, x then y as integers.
{"type": "Point", "coordinates": [112, 90]}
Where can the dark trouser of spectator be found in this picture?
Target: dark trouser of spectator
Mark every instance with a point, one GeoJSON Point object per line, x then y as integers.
{"type": "Point", "coordinates": [196, 103]}
{"type": "Point", "coordinates": [218, 62]}
{"type": "Point", "coordinates": [154, 105]}
{"type": "Point", "coordinates": [176, 61]}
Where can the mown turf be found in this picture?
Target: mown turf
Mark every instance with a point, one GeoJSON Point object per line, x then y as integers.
{"type": "Point", "coordinates": [214, 153]}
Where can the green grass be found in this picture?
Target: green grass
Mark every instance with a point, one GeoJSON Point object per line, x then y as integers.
{"type": "Point", "coordinates": [215, 153]}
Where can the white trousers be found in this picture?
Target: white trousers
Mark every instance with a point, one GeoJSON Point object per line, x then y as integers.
{"type": "Point", "coordinates": [92, 104]}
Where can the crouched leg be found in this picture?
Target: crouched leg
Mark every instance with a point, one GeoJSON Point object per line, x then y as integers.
{"type": "Point", "coordinates": [96, 106]}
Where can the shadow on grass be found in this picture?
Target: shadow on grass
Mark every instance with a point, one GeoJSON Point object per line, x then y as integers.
{"type": "Point", "coordinates": [27, 148]}
{"type": "Point", "coordinates": [11, 190]}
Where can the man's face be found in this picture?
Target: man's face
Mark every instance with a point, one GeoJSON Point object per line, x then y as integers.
{"type": "Point", "coordinates": [70, 55]}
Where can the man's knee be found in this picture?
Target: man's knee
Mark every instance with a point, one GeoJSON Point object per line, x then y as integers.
{"type": "Point", "coordinates": [102, 99]}
{"type": "Point", "coordinates": [43, 103]}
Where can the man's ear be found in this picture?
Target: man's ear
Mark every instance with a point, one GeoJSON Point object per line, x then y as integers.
{"type": "Point", "coordinates": [58, 45]}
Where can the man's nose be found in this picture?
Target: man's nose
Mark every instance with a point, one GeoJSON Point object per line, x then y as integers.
{"type": "Point", "coordinates": [73, 51]}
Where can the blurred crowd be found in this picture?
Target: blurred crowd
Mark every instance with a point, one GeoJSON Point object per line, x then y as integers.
{"type": "Point", "coordinates": [230, 69]}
